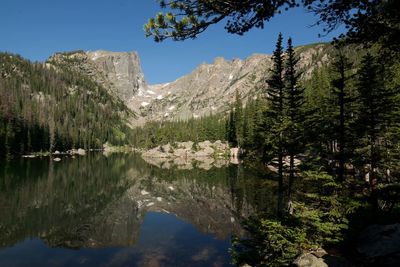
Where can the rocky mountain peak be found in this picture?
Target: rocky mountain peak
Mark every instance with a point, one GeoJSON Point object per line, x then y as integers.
{"type": "Point", "coordinates": [210, 88]}
{"type": "Point", "coordinates": [122, 69]}
{"type": "Point", "coordinates": [120, 72]}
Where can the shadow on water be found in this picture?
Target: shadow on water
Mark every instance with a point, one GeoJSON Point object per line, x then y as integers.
{"type": "Point", "coordinates": [119, 210]}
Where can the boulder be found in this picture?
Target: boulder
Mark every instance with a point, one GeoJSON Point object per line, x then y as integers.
{"type": "Point", "coordinates": [203, 145]}
{"type": "Point", "coordinates": [209, 151]}
{"type": "Point", "coordinates": [309, 260]}
{"type": "Point", "coordinates": [78, 151]}
{"type": "Point", "coordinates": [166, 148]}
{"type": "Point", "coordinates": [186, 145]}
{"type": "Point", "coordinates": [155, 153]}
{"type": "Point", "coordinates": [220, 146]}
{"type": "Point", "coordinates": [319, 253]}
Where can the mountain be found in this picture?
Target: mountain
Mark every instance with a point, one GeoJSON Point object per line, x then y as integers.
{"type": "Point", "coordinates": [84, 99]}
{"type": "Point", "coordinates": [210, 88]}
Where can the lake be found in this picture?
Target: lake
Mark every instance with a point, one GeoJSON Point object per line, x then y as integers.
{"type": "Point", "coordinates": [119, 210]}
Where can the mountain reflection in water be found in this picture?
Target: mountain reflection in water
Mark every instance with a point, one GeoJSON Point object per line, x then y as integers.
{"type": "Point", "coordinates": [121, 211]}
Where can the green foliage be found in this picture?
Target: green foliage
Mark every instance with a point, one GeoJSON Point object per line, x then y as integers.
{"type": "Point", "coordinates": [378, 112]}
{"type": "Point", "coordinates": [345, 115]}
{"type": "Point", "coordinates": [210, 128]}
{"type": "Point", "coordinates": [237, 123]}
{"type": "Point", "coordinates": [42, 108]}
{"type": "Point", "coordinates": [365, 21]}
{"type": "Point", "coordinates": [272, 243]}
{"type": "Point", "coordinates": [320, 218]}
{"type": "Point", "coordinates": [323, 207]}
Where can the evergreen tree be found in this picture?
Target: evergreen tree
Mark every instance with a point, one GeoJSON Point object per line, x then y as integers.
{"type": "Point", "coordinates": [276, 87]}
{"type": "Point", "coordinates": [365, 21]}
{"type": "Point", "coordinates": [378, 111]}
{"type": "Point", "coordinates": [294, 113]}
{"type": "Point", "coordinates": [238, 117]}
{"type": "Point", "coordinates": [232, 137]}
{"type": "Point", "coordinates": [340, 66]}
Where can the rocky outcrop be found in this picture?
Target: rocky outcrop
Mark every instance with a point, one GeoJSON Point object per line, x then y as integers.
{"type": "Point", "coordinates": [190, 150]}
{"type": "Point", "coordinates": [119, 72]}
{"type": "Point", "coordinates": [122, 70]}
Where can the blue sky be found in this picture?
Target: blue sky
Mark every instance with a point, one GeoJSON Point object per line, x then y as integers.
{"type": "Point", "coordinates": [36, 29]}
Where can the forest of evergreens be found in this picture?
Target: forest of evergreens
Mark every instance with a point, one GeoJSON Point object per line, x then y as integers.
{"type": "Point", "coordinates": [155, 133]}
{"type": "Point", "coordinates": [342, 124]}
{"type": "Point", "coordinates": [45, 108]}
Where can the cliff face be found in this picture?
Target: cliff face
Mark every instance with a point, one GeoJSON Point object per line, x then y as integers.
{"type": "Point", "coordinates": [119, 72]}
{"type": "Point", "coordinates": [210, 88]}
{"type": "Point", "coordinates": [122, 70]}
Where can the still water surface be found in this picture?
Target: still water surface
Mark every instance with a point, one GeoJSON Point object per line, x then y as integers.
{"type": "Point", "coordinates": [119, 210]}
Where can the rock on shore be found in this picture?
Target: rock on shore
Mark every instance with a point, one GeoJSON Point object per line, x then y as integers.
{"type": "Point", "coordinates": [218, 149]}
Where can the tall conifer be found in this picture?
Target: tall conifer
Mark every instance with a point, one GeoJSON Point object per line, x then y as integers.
{"type": "Point", "coordinates": [276, 98]}
{"type": "Point", "coordinates": [294, 114]}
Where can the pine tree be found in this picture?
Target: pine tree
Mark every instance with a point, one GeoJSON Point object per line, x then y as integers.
{"type": "Point", "coordinates": [232, 128]}
{"type": "Point", "coordinates": [276, 98]}
{"type": "Point", "coordinates": [340, 66]}
{"type": "Point", "coordinates": [238, 117]}
{"type": "Point", "coordinates": [295, 101]}
{"type": "Point", "coordinates": [378, 107]}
